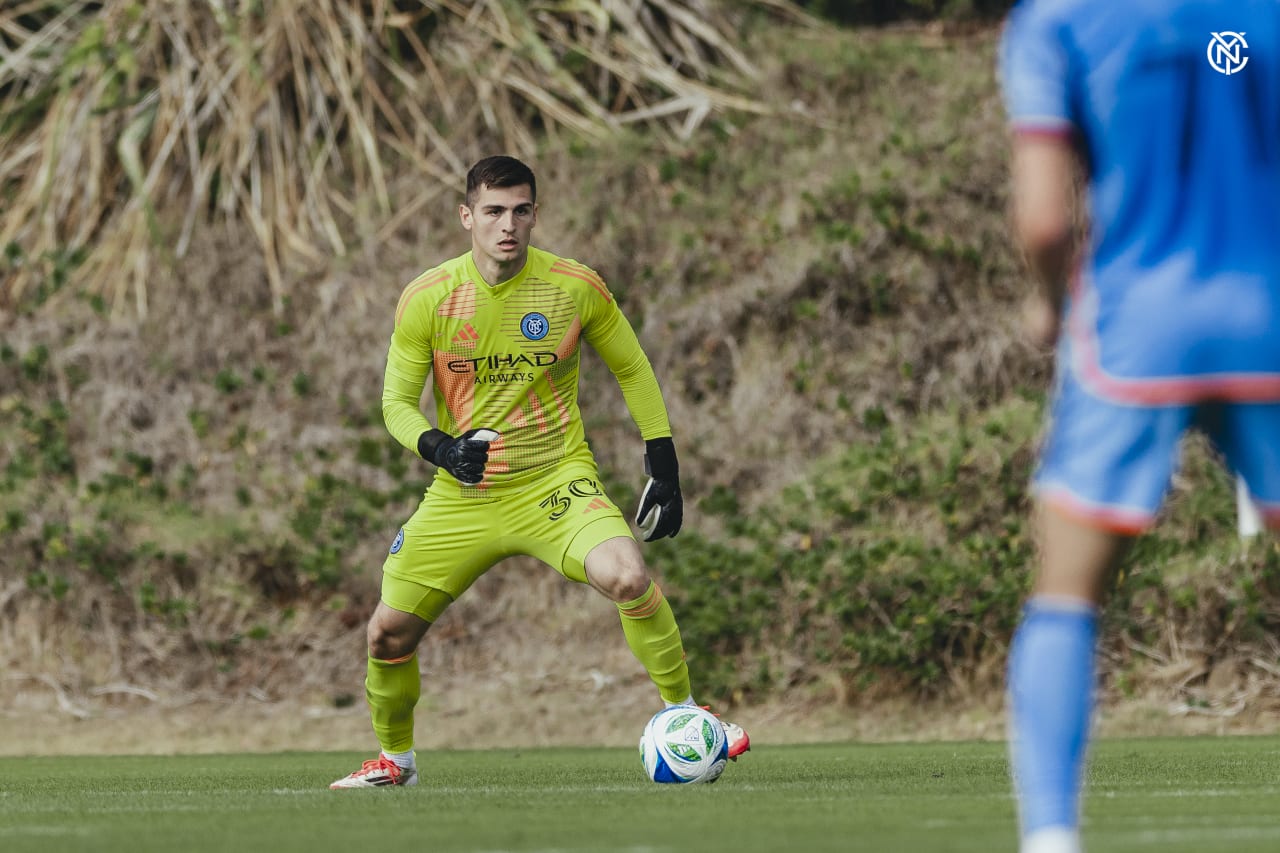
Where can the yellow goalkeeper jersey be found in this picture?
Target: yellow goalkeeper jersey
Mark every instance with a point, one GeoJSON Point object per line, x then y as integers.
{"type": "Point", "coordinates": [506, 357]}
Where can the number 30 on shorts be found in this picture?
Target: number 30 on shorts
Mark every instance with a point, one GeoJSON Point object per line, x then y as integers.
{"type": "Point", "coordinates": [561, 499]}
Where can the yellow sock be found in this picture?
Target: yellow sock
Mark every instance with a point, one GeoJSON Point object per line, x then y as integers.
{"type": "Point", "coordinates": [651, 632]}
{"type": "Point", "coordinates": [392, 688]}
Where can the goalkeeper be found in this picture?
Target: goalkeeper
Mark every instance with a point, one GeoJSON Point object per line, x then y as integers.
{"type": "Point", "coordinates": [500, 330]}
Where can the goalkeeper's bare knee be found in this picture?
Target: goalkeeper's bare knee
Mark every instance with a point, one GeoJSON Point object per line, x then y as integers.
{"type": "Point", "coordinates": [617, 570]}
{"type": "Point", "coordinates": [392, 634]}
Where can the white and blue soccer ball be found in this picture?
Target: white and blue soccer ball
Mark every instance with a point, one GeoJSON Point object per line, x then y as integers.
{"type": "Point", "coordinates": [684, 744]}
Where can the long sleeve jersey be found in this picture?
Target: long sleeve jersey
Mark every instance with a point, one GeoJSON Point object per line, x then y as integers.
{"type": "Point", "coordinates": [506, 357]}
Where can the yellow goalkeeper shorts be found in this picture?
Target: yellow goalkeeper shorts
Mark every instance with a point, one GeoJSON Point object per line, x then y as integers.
{"type": "Point", "coordinates": [450, 541]}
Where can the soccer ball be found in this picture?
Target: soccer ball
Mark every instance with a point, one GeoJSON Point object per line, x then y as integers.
{"type": "Point", "coordinates": [684, 744]}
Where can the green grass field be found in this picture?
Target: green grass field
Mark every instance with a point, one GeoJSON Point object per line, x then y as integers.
{"type": "Point", "coordinates": [1188, 794]}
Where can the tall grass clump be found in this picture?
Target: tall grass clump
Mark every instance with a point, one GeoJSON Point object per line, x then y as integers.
{"type": "Point", "coordinates": [126, 126]}
{"type": "Point", "coordinates": [887, 11]}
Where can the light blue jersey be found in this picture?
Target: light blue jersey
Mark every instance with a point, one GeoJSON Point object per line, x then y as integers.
{"type": "Point", "coordinates": [1175, 105]}
{"type": "Point", "coordinates": [1173, 323]}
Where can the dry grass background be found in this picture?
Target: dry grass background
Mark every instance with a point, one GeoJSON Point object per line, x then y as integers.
{"type": "Point", "coordinates": [130, 125]}
{"type": "Point", "coordinates": [219, 175]}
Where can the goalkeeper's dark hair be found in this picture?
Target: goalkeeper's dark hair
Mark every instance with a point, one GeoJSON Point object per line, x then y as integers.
{"type": "Point", "coordinates": [497, 172]}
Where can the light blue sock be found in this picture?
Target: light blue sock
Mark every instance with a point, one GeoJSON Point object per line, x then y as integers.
{"type": "Point", "coordinates": [1051, 687]}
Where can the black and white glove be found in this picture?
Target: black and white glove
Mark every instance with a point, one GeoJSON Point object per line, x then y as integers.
{"type": "Point", "coordinates": [464, 457]}
{"type": "Point", "coordinates": [661, 509]}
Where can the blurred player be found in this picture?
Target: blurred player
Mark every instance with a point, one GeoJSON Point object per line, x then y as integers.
{"type": "Point", "coordinates": [1171, 322]}
{"type": "Point", "coordinates": [500, 328]}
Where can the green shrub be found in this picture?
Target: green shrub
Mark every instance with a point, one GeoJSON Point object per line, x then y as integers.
{"type": "Point", "coordinates": [906, 560]}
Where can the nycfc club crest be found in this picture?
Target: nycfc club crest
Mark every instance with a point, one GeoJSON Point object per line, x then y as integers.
{"type": "Point", "coordinates": [1226, 52]}
{"type": "Point", "coordinates": [398, 542]}
{"type": "Point", "coordinates": [534, 326]}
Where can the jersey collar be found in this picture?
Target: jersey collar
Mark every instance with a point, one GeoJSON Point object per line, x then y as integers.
{"type": "Point", "coordinates": [503, 287]}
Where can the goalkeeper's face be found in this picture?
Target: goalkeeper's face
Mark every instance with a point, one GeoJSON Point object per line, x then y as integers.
{"type": "Point", "coordinates": [501, 222]}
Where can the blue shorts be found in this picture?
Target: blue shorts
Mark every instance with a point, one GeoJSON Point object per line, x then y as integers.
{"type": "Point", "coordinates": [1111, 464]}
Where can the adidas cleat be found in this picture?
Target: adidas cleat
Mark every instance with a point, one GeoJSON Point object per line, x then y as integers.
{"type": "Point", "coordinates": [380, 772]}
{"type": "Point", "coordinates": [739, 741]}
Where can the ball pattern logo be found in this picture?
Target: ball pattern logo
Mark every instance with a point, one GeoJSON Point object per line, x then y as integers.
{"type": "Point", "coordinates": [534, 326]}
{"type": "Point", "coordinates": [683, 745]}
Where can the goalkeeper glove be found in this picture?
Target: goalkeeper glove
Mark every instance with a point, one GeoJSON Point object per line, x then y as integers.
{"type": "Point", "coordinates": [464, 457]}
{"type": "Point", "coordinates": [661, 509]}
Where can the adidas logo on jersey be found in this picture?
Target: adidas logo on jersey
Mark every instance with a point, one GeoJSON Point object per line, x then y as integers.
{"type": "Point", "coordinates": [466, 338]}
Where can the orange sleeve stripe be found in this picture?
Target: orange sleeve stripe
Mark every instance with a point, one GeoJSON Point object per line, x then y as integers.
{"type": "Point", "coordinates": [414, 289]}
{"type": "Point", "coordinates": [572, 268]}
{"type": "Point", "coordinates": [461, 304]}
{"type": "Point", "coordinates": [562, 264]}
{"type": "Point", "coordinates": [583, 275]}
